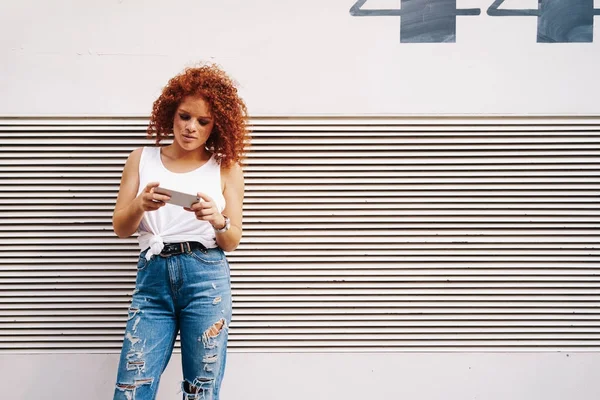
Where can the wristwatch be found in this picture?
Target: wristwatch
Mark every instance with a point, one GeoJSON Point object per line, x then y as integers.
{"type": "Point", "coordinates": [226, 227]}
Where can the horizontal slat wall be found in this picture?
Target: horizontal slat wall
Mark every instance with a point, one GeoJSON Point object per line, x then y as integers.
{"type": "Point", "coordinates": [378, 234]}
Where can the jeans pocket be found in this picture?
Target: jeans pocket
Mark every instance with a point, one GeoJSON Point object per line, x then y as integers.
{"type": "Point", "coordinates": [142, 262]}
{"type": "Point", "coordinates": [214, 257]}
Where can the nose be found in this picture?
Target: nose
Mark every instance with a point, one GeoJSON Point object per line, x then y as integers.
{"type": "Point", "coordinates": [191, 126]}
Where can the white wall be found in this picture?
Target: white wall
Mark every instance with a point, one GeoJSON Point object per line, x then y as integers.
{"type": "Point", "coordinates": [85, 57]}
{"type": "Point", "coordinates": [291, 57]}
{"type": "Point", "coordinates": [322, 376]}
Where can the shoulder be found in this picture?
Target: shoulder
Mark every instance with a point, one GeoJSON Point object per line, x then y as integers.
{"type": "Point", "coordinates": [233, 173]}
{"type": "Point", "coordinates": [233, 170]}
{"type": "Point", "coordinates": [133, 160]}
{"type": "Point", "coordinates": [137, 153]}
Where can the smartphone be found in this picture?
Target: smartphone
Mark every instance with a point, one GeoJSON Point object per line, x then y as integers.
{"type": "Point", "coordinates": [178, 198]}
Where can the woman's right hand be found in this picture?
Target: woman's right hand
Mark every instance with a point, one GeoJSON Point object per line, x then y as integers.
{"type": "Point", "coordinates": [150, 201]}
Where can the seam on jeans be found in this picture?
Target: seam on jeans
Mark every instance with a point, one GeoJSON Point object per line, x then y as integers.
{"type": "Point", "coordinates": [168, 354]}
{"type": "Point", "coordinates": [209, 261]}
{"type": "Point", "coordinates": [144, 262]}
{"type": "Point", "coordinates": [175, 285]}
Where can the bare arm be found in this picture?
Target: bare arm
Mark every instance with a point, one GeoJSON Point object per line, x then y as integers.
{"type": "Point", "coordinates": [234, 198]}
{"type": "Point", "coordinates": [233, 191]}
{"type": "Point", "coordinates": [130, 208]}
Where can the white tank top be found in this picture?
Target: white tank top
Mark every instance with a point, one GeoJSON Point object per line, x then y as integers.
{"type": "Point", "coordinates": [171, 223]}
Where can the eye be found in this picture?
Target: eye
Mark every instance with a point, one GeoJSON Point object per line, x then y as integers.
{"type": "Point", "coordinates": [204, 122]}
{"type": "Point", "coordinates": [184, 117]}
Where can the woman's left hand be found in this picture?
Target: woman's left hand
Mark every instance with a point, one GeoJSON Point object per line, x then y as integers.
{"type": "Point", "coordinates": [206, 210]}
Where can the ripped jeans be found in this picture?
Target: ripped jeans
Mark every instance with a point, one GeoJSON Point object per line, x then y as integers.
{"type": "Point", "coordinates": [189, 293]}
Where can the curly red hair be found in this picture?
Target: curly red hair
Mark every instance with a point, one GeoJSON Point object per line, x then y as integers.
{"type": "Point", "coordinates": [230, 135]}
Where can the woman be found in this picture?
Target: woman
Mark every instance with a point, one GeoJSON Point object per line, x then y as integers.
{"type": "Point", "coordinates": [182, 282]}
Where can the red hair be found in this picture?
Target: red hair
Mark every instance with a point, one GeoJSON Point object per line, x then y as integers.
{"type": "Point", "coordinates": [230, 135]}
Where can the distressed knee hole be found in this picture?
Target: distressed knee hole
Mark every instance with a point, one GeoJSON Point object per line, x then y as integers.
{"type": "Point", "coordinates": [216, 328]}
{"type": "Point", "coordinates": [132, 339]}
{"type": "Point", "coordinates": [135, 324]}
{"type": "Point", "coordinates": [210, 335]}
{"type": "Point", "coordinates": [200, 386]}
{"type": "Point", "coordinates": [133, 311]}
{"type": "Point", "coordinates": [210, 359]}
{"type": "Point", "coordinates": [130, 388]}
{"type": "Point", "coordinates": [135, 355]}
{"type": "Point", "coordinates": [138, 366]}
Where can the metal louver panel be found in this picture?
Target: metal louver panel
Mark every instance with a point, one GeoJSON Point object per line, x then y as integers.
{"type": "Point", "coordinates": [379, 234]}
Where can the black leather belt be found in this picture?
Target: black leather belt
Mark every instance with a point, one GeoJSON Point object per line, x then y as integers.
{"type": "Point", "coordinates": [172, 249]}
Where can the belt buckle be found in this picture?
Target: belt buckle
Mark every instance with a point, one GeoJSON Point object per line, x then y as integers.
{"type": "Point", "coordinates": [172, 250]}
{"type": "Point", "coordinates": [183, 246]}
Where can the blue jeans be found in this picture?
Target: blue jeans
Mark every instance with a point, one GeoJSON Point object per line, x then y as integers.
{"type": "Point", "coordinates": [189, 293]}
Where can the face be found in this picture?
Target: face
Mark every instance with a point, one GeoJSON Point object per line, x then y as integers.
{"type": "Point", "coordinates": [192, 124]}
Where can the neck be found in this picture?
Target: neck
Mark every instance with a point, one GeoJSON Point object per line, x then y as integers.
{"type": "Point", "coordinates": [175, 152]}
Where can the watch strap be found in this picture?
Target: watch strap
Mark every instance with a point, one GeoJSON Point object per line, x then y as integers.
{"type": "Point", "coordinates": [226, 227]}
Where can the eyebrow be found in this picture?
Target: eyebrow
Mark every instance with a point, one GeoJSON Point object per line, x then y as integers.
{"type": "Point", "coordinates": [200, 117]}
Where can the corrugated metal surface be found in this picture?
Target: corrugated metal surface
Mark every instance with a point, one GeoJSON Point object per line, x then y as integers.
{"type": "Point", "coordinates": [379, 234]}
